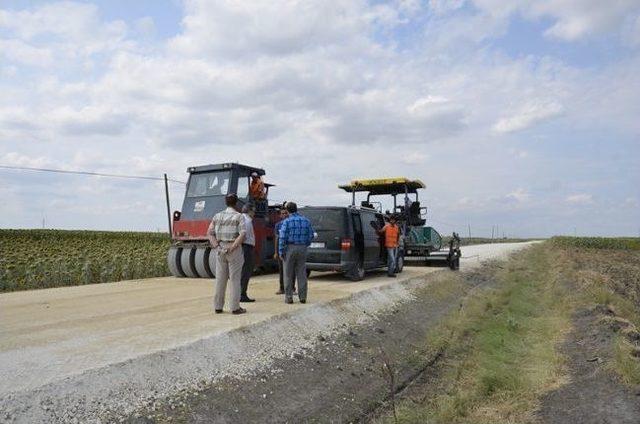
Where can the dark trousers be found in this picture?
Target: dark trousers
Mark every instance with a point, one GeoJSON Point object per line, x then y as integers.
{"type": "Point", "coordinates": [247, 268]}
{"type": "Point", "coordinates": [281, 271]}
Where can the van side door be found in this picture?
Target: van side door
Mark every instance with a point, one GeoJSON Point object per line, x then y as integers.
{"type": "Point", "coordinates": [358, 237]}
{"type": "Point", "coordinates": [382, 251]}
{"type": "Point", "coordinates": [371, 239]}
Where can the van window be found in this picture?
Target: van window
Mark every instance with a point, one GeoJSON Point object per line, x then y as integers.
{"type": "Point", "coordinates": [326, 220]}
{"type": "Point", "coordinates": [370, 224]}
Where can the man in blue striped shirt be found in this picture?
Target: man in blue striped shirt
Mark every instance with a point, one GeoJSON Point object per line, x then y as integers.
{"type": "Point", "coordinates": [294, 237]}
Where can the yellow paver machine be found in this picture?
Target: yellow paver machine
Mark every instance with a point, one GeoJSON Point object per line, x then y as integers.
{"type": "Point", "coordinates": [420, 244]}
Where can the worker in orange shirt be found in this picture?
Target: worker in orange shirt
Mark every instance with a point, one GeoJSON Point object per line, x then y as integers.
{"type": "Point", "coordinates": [391, 232]}
{"type": "Point", "coordinates": [256, 188]}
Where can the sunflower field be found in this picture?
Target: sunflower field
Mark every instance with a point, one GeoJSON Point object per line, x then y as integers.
{"type": "Point", "coordinates": [33, 259]}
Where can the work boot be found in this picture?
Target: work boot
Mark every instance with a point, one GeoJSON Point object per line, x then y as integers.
{"type": "Point", "coordinates": [246, 299]}
{"type": "Point", "coordinates": [239, 311]}
{"type": "Point", "coordinates": [391, 275]}
{"type": "Point", "coordinates": [288, 301]}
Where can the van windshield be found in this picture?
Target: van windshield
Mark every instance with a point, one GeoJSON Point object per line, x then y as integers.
{"type": "Point", "coordinates": [332, 220]}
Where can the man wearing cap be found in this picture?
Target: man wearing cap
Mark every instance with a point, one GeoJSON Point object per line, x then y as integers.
{"type": "Point", "coordinates": [248, 249]}
{"type": "Point", "coordinates": [296, 234]}
{"type": "Point", "coordinates": [391, 233]}
{"type": "Point", "coordinates": [256, 188]}
{"type": "Point", "coordinates": [226, 234]}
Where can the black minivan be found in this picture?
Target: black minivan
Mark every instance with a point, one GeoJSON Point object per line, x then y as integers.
{"type": "Point", "coordinates": [346, 240]}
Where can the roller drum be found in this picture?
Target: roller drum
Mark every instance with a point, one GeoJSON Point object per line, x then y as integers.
{"type": "Point", "coordinates": [173, 261]}
{"type": "Point", "coordinates": [187, 262]}
{"type": "Point", "coordinates": [202, 262]}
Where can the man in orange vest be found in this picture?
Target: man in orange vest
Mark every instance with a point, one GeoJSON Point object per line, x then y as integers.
{"type": "Point", "coordinates": [256, 188]}
{"type": "Point", "coordinates": [391, 233]}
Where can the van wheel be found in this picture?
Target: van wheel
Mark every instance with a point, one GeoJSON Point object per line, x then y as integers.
{"type": "Point", "coordinates": [308, 273]}
{"type": "Point", "coordinates": [358, 273]}
{"type": "Point", "coordinates": [399, 264]}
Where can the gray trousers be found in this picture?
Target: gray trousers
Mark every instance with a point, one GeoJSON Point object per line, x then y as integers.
{"type": "Point", "coordinates": [228, 267]}
{"type": "Point", "coordinates": [247, 267]}
{"type": "Point", "coordinates": [295, 266]}
{"type": "Point", "coordinates": [392, 253]}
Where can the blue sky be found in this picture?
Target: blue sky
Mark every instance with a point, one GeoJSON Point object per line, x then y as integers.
{"type": "Point", "coordinates": [522, 115]}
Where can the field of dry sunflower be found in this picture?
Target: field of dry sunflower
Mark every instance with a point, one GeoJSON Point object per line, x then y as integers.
{"type": "Point", "coordinates": [33, 259]}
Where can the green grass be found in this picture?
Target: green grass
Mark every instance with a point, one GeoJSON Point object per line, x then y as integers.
{"type": "Point", "coordinates": [33, 259]}
{"type": "Point", "coordinates": [623, 243]}
{"type": "Point", "coordinates": [503, 345]}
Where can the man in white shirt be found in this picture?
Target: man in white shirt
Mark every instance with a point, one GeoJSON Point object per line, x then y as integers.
{"type": "Point", "coordinates": [248, 250]}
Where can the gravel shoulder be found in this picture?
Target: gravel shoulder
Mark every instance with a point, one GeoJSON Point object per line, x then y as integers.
{"type": "Point", "coordinates": [339, 378]}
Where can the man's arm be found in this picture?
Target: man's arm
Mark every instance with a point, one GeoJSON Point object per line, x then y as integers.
{"type": "Point", "coordinates": [382, 230]}
{"type": "Point", "coordinates": [311, 234]}
{"type": "Point", "coordinates": [211, 235]}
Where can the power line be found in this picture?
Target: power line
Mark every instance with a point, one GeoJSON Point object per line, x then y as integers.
{"type": "Point", "coordinates": [94, 174]}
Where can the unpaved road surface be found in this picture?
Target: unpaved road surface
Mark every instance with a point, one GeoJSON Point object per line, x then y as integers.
{"type": "Point", "coordinates": [593, 395]}
{"type": "Point", "coordinates": [104, 350]}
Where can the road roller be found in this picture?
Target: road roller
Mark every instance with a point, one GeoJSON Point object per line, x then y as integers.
{"type": "Point", "coordinates": [190, 252]}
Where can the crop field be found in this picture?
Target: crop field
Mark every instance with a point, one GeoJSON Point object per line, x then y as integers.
{"type": "Point", "coordinates": [618, 243]}
{"type": "Point", "coordinates": [33, 259]}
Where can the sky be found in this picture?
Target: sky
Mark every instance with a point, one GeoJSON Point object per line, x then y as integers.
{"type": "Point", "coordinates": [523, 116]}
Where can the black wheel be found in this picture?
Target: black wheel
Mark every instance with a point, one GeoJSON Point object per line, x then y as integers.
{"type": "Point", "coordinates": [173, 261]}
{"type": "Point", "coordinates": [399, 264]}
{"type": "Point", "coordinates": [308, 272]}
{"type": "Point", "coordinates": [188, 262]}
{"type": "Point", "coordinates": [202, 262]}
{"type": "Point", "coordinates": [357, 274]}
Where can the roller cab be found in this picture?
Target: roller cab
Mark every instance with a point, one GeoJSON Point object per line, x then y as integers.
{"type": "Point", "coordinates": [190, 252]}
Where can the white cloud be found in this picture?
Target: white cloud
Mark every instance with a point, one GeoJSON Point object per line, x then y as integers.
{"type": "Point", "coordinates": [572, 19]}
{"type": "Point", "coordinates": [519, 195]}
{"type": "Point", "coordinates": [527, 116]}
{"type": "Point", "coordinates": [19, 52]}
{"type": "Point", "coordinates": [414, 158]}
{"type": "Point", "coordinates": [580, 199]}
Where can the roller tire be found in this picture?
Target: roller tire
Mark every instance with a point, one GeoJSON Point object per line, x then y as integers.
{"type": "Point", "coordinates": [202, 262]}
{"type": "Point", "coordinates": [173, 261]}
{"type": "Point", "coordinates": [188, 263]}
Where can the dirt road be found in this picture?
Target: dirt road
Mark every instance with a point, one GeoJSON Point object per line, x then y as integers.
{"type": "Point", "coordinates": [123, 342]}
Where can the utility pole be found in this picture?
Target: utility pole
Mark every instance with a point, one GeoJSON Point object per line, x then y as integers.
{"type": "Point", "coordinates": [166, 194]}
{"type": "Point", "coordinates": [492, 229]}
{"type": "Point", "coordinates": [469, 225]}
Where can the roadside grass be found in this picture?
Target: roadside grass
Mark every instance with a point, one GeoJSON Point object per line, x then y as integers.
{"type": "Point", "coordinates": [606, 278]}
{"type": "Point", "coordinates": [501, 348]}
